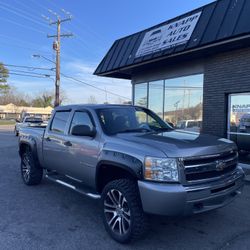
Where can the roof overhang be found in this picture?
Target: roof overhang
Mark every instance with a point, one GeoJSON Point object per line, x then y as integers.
{"type": "Point", "coordinates": [196, 53]}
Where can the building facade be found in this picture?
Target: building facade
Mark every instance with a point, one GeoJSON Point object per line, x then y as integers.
{"type": "Point", "coordinates": [11, 111]}
{"type": "Point", "coordinates": [193, 70]}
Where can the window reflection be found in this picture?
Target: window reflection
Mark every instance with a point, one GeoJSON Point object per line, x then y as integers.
{"type": "Point", "coordinates": [155, 97]}
{"type": "Point", "coordinates": [140, 94]}
{"type": "Point", "coordinates": [183, 102]}
{"type": "Point", "coordinates": [239, 120]}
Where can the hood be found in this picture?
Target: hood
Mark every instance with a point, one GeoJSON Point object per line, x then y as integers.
{"type": "Point", "coordinates": [181, 143]}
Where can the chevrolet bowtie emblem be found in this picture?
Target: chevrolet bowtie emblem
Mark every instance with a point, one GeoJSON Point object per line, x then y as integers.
{"type": "Point", "coordinates": [220, 165]}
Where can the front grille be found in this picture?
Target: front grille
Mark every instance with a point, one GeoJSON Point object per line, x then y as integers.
{"type": "Point", "coordinates": [209, 167]}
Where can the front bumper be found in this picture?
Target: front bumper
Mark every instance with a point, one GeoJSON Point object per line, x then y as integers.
{"type": "Point", "coordinates": [176, 199]}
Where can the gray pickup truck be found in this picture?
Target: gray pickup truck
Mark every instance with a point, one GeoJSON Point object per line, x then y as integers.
{"type": "Point", "coordinates": [133, 161]}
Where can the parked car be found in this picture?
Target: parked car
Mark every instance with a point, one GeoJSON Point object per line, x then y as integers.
{"type": "Point", "coordinates": [28, 121]}
{"type": "Point", "coordinates": [134, 162]}
{"type": "Point", "coordinates": [241, 137]}
{"type": "Point", "coordinates": [244, 125]}
{"type": "Point", "coordinates": [189, 125]}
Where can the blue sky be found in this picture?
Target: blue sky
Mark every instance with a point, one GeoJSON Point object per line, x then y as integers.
{"type": "Point", "coordinates": [96, 24]}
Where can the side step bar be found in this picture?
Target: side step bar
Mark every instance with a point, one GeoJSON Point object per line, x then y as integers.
{"type": "Point", "coordinates": [67, 182]}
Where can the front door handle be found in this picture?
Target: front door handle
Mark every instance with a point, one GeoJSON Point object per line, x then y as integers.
{"type": "Point", "coordinates": [47, 139]}
{"type": "Point", "coordinates": [68, 143]}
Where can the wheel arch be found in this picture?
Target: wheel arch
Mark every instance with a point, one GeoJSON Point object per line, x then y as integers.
{"type": "Point", "coordinates": [107, 171]}
{"type": "Point", "coordinates": [29, 144]}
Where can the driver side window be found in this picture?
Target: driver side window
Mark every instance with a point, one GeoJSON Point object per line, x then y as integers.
{"type": "Point", "coordinates": [81, 118]}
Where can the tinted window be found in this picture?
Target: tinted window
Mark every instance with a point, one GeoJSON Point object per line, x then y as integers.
{"type": "Point", "coordinates": [59, 121]}
{"type": "Point", "coordinates": [120, 120]}
{"type": "Point", "coordinates": [81, 118]}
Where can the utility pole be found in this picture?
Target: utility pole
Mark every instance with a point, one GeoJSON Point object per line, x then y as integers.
{"type": "Point", "coordinates": [57, 48]}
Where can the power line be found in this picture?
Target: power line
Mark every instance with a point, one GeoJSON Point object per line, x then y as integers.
{"type": "Point", "coordinates": [29, 75]}
{"type": "Point", "coordinates": [20, 14]}
{"type": "Point", "coordinates": [78, 39]}
{"type": "Point", "coordinates": [23, 66]}
{"type": "Point", "coordinates": [28, 72]}
{"type": "Point", "coordinates": [90, 85]}
{"type": "Point", "coordinates": [69, 77]}
{"type": "Point", "coordinates": [21, 25]}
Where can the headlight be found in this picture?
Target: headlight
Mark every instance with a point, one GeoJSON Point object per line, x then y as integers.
{"type": "Point", "coordinates": [161, 169]}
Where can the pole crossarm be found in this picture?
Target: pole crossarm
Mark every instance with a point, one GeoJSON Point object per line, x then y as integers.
{"type": "Point", "coordinates": [62, 35]}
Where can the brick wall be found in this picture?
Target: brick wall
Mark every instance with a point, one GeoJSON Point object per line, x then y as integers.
{"type": "Point", "coordinates": [224, 74]}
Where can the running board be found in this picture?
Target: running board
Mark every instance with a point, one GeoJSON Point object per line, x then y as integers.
{"type": "Point", "coordinates": [67, 182]}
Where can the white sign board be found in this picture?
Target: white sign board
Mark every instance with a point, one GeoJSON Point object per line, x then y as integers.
{"type": "Point", "coordinates": [169, 35]}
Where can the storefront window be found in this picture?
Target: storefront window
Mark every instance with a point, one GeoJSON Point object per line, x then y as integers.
{"type": "Point", "coordinates": [141, 94]}
{"type": "Point", "coordinates": [183, 102]}
{"type": "Point", "coordinates": [239, 120]}
{"type": "Point", "coordinates": [155, 97]}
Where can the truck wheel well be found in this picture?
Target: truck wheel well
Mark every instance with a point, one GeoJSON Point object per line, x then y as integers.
{"type": "Point", "coordinates": [109, 173]}
{"type": "Point", "coordinates": [23, 148]}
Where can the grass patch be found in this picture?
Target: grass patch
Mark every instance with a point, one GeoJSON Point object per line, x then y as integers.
{"type": "Point", "coordinates": [6, 122]}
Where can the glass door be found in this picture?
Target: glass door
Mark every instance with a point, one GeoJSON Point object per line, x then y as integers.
{"type": "Point", "coordinates": [239, 120]}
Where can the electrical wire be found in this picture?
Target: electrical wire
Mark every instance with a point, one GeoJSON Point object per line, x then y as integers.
{"type": "Point", "coordinates": [38, 75]}
{"type": "Point", "coordinates": [29, 75]}
{"type": "Point", "coordinates": [78, 39]}
{"type": "Point", "coordinates": [29, 72]}
{"type": "Point", "coordinates": [21, 25]}
{"type": "Point", "coordinates": [90, 85]}
{"type": "Point", "coordinates": [18, 13]}
{"type": "Point", "coordinates": [23, 66]}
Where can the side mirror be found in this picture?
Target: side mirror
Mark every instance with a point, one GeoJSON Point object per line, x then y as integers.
{"type": "Point", "coordinates": [83, 130]}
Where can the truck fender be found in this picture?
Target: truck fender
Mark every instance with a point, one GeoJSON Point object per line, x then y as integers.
{"type": "Point", "coordinates": [120, 160]}
{"type": "Point", "coordinates": [28, 142]}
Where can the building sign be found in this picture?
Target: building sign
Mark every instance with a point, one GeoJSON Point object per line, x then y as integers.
{"type": "Point", "coordinates": [241, 108]}
{"type": "Point", "coordinates": [169, 35]}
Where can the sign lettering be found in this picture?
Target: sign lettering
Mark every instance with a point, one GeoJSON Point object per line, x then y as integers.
{"type": "Point", "coordinates": [168, 36]}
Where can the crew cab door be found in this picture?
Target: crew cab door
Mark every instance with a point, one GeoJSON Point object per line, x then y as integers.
{"type": "Point", "coordinates": [82, 151]}
{"type": "Point", "coordinates": [55, 140]}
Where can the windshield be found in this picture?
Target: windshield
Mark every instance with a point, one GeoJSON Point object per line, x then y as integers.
{"type": "Point", "coordinates": [130, 119]}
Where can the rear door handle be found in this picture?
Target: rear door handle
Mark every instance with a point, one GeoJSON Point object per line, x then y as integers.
{"type": "Point", "coordinates": [68, 143]}
{"type": "Point", "coordinates": [47, 139]}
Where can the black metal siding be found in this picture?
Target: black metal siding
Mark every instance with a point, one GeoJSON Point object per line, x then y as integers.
{"type": "Point", "coordinates": [220, 20]}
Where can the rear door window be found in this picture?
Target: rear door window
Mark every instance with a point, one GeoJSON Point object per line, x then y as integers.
{"type": "Point", "coordinates": [59, 121]}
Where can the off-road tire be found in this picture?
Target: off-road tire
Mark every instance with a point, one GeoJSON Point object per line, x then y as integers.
{"type": "Point", "coordinates": [138, 220]}
{"type": "Point", "coordinates": [31, 172]}
{"type": "Point", "coordinates": [15, 132]}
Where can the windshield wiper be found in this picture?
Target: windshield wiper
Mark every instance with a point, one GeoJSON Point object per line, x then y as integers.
{"type": "Point", "coordinates": [135, 130]}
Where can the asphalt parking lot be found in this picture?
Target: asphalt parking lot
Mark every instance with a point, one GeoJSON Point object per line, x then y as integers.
{"type": "Point", "coordinates": [49, 216]}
